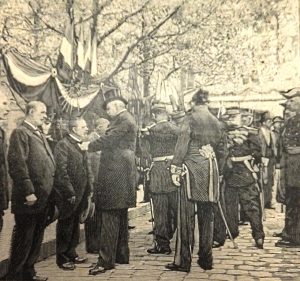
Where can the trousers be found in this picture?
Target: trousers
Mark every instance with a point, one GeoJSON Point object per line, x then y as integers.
{"type": "Point", "coordinates": [26, 243]}
{"type": "Point", "coordinates": [113, 238]}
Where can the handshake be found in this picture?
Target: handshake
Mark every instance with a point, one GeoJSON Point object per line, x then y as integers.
{"type": "Point", "coordinates": [84, 145]}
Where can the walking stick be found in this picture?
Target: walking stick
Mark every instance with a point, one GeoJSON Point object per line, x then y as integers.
{"type": "Point", "coordinates": [235, 245]}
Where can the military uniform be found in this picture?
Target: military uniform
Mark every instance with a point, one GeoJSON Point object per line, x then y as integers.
{"type": "Point", "coordinates": [241, 181]}
{"type": "Point", "coordinates": [162, 139]}
{"type": "Point", "coordinates": [200, 135]}
{"type": "Point", "coordinates": [291, 154]}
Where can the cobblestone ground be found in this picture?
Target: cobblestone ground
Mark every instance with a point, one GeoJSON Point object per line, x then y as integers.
{"type": "Point", "coordinates": [244, 263]}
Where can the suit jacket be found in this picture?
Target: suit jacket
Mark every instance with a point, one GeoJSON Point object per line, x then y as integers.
{"type": "Point", "coordinates": [31, 167]}
{"type": "Point", "coordinates": [3, 173]}
{"type": "Point", "coordinates": [117, 178]}
{"type": "Point", "coordinates": [73, 176]}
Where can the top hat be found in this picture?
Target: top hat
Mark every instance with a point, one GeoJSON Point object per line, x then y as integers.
{"type": "Point", "coordinates": [111, 99]}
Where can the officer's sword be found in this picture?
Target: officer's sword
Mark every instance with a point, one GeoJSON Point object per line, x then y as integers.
{"type": "Point", "coordinates": [235, 245]}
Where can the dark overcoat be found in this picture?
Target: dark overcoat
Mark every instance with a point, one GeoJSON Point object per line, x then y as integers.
{"type": "Point", "coordinates": [3, 173]}
{"type": "Point", "coordinates": [200, 128]}
{"type": "Point", "coordinates": [291, 152]}
{"type": "Point", "coordinates": [31, 167]}
{"type": "Point", "coordinates": [73, 176]}
{"type": "Point", "coordinates": [117, 177]}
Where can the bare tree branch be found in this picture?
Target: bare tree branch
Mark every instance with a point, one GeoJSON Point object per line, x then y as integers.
{"type": "Point", "coordinates": [121, 22]}
{"type": "Point", "coordinates": [96, 13]}
{"type": "Point", "coordinates": [43, 21]}
{"type": "Point", "coordinates": [140, 39]}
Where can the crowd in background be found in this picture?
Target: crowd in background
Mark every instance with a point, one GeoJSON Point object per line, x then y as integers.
{"type": "Point", "coordinates": [219, 169]}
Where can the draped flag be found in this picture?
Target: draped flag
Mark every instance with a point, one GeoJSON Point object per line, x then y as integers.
{"type": "Point", "coordinates": [80, 48]}
{"type": "Point", "coordinates": [33, 81]}
{"type": "Point", "coordinates": [94, 67]}
{"type": "Point", "coordinates": [65, 62]}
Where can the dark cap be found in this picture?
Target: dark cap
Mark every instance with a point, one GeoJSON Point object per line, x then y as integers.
{"type": "Point", "coordinates": [278, 119]}
{"type": "Point", "coordinates": [200, 97]}
{"type": "Point", "coordinates": [233, 111]}
{"type": "Point", "coordinates": [159, 106]}
{"type": "Point", "coordinates": [177, 114]}
{"type": "Point", "coordinates": [292, 93]}
{"type": "Point", "coordinates": [246, 112]}
{"type": "Point", "coordinates": [111, 99]}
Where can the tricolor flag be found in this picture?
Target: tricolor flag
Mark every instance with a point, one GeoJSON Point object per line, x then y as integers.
{"type": "Point", "coordinates": [80, 48]}
{"type": "Point", "coordinates": [65, 61]}
{"type": "Point", "coordinates": [94, 67]}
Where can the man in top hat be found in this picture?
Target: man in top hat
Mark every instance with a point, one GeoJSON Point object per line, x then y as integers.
{"type": "Point", "coordinates": [116, 185]}
{"type": "Point", "coordinates": [195, 157]}
{"type": "Point", "coordinates": [162, 139]}
{"type": "Point", "coordinates": [267, 141]}
{"type": "Point", "coordinates": [73, 184]}
{"type": "Point", "coordinates": [291, 160]}
{"type": "Point", "coordinates": [31, 167]}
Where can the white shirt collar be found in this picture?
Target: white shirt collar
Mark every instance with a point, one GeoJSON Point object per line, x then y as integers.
{"type": "Point", "coordinates": [75, 138]}
{"type": "Point", "coordinates": [31, 125]}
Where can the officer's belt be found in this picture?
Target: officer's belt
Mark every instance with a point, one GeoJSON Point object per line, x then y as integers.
{"type": "Point", "coordinates": [246, 160]}
{"type": "Point", "coordinates": [162, 158]}
{"type": "Point", "coordinates": [241, 158]}
{"type": "Point", "coordinates": [293, 150]}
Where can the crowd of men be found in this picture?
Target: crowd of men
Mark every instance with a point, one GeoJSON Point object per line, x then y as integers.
{"type": "Point", "coordinates": [219, 170]}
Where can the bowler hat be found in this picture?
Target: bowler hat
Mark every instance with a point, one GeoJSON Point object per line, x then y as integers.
{"type": "Point", "coordinates": [53, 214]}
{"type": "Point", "coordinates": [88, 212]}
{"type": "Point", "coordinates": [111, 99]}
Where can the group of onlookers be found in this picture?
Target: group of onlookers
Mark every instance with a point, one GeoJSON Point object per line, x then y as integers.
{"type": "Point", "coordinates": [220, 170]}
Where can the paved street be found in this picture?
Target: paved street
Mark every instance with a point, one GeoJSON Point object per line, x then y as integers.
{"type": "Point", "coordinates": [245, 263]}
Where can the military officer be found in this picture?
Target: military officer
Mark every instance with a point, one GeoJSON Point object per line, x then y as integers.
{"type": "Point", "coordinates": [291, 160]}
{"type": "Point", "coordinates": [162, 139]}
{"type": "Point", "coordinates": [195, 157]}
{"type": "Point", "coordinates": [241, 178]}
